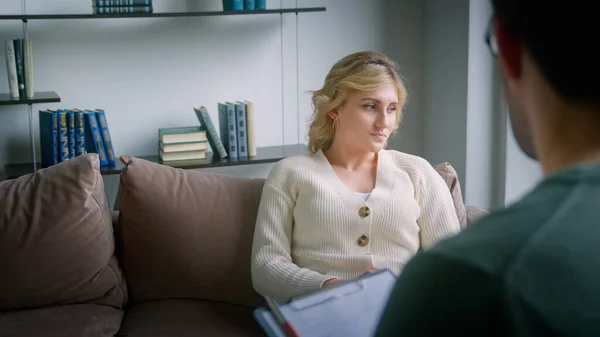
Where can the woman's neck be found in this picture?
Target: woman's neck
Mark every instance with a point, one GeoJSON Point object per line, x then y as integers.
{"type": "Point", "coordinates": [348, 158]}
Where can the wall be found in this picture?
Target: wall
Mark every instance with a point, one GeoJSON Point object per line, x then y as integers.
{"type": "Point", "coordinates": [522, 173]}
{"type": "Point", "coordinates": [149, 73]}
{"type": "Point", "coordinates": [444, 129]}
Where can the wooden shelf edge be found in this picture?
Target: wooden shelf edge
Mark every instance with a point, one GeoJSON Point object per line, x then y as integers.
{"type": "Point", "coordinates": [265, 155]}
{"type": "Point", "coordinates": [38, 97]}
{"type": "Point", "coordinates": [159, 15]}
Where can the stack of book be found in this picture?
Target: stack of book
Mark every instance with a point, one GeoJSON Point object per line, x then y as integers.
{"type": "Point", "coordinates": [19, 64]}
{"type": "Point", "coordinates": [68, 133]}
{"type": "Point", "coordinates": [182, 143]}
{"type": "Point", "coordinates": [121, 6]}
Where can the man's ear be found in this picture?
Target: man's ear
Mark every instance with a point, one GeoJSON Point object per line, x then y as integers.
{"type": "Point", "coordinates": [509, 50]}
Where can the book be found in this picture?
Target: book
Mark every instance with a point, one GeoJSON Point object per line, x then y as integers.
{"type": "Point", "coordinates": [213, 136]}
{"type": "Point", "coordinates": [48, 120]}
{"type": "Point", "coordinates": [181, 156]}
{"type": "Point", "coordinates": [227, 128]}
{"type": "Point", "coordinates": [106, 139]}
{"type": "Point", "coordinates": [240, 121]}
{"type": "Point", "coordinates": [93, 137]}
{"type": "Point", "coordinates": [181, 147]}
{"type": "Point", "coordinates": [182, 134]}
{"type": "Point", "coordinates": [11, 69]}
{"type": "Point", "coordinates": [251, 129]}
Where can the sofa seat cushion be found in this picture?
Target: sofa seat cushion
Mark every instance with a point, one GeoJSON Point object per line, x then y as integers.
{"type": "Point", "coordinates": [82, 320]}
{"type": "Point", "coordinates": [193, 318]}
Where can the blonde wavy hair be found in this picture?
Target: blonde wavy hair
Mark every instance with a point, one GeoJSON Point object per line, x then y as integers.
{"type": "Point", "coordinates": [358, 72]}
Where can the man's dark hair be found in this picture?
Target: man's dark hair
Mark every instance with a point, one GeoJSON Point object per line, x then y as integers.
{"type": "Point", "coordinates": [562, 37]}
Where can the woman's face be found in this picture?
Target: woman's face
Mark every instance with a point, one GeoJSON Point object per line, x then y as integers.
{"type": "Point", "coordinates": [366, 120]}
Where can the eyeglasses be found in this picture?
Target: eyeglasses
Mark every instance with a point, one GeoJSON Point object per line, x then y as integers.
{"type": "Point", "coordinates": [490, 38]}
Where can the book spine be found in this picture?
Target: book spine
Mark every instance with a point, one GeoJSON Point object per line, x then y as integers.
{"type": "Point", "coordinates": [63, 135]}
{"type": "Point", "coordinates": [223, 127]}
{"type": "Point", "coordinates": [20, 70]}
{"type": "Point", "coordinates": [123, 9]}
{"type": "Point", "coordinates": [213, 135]}
{"type": "Point", "coordinates": [79, 133]}
{"type": "Point", "coordinates": [106, 140]}
{"type": "Point", "coordinates": [249, 4]}
{"type": "Point", "coordinates": [48, 134]}
{"type": "Point", "coordinates": [93, 138]}
{"type": "Point", "coordinates": [27, 67]}
{"type": "Point", "coordinates": [250, 129]}
{"type": "Point", "coordinates": [111, 3]}
{"type": "Point", "coordinates": [72, 139]}
{"type": "Point", "coordinates": [11, 69]}
{"type": "Point", "coordinates": [240, 119]}
{"type": "Point", "coordinates": [232, 131]}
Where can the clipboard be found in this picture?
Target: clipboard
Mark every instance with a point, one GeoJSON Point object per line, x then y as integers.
{"type": "Point", "coordinates": [348, 308]}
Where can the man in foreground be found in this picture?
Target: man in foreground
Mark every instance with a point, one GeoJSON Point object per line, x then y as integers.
{"type": "Point", "coordinates": [532, 269]}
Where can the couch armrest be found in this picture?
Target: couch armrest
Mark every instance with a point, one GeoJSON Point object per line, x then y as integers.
{"type": "Point", "coordinates": [474, 213]}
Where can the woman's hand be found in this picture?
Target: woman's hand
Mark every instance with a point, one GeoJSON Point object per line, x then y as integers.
{"type": "Point", "coordinates": [330, 281]}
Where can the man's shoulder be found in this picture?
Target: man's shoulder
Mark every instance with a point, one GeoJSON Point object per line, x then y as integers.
{"type": "Point", "coordinates": [494, 241]}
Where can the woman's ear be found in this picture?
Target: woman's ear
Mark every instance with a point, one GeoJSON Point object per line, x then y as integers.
{"type": "Point", "coordinates": [333, 114]}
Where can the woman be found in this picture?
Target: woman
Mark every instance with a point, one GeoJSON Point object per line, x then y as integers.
{"type": "Point", "coordinates": [350, 206]}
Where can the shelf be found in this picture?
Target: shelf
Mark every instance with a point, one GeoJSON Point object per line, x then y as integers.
{"type": "Point", "coordinates": [38, 97]}
{"type": "Point", "coordinates": [159, 15]}
{"type": "Point", "coordinates": [264, 155]}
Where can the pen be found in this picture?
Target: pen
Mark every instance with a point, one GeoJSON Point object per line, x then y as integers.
{"type": "Point", "coordinates": [287, 327]}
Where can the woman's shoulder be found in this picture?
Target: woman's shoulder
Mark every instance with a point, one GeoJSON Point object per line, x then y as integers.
{"type": "Point", "coordinates": [288, 168]}
{"type": "Point", "coordinates": [405, 160]}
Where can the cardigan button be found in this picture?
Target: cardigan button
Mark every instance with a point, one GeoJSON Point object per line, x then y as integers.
{"type": "Point", "coordinates": [364, 211]}
{"type": "Point", "coordinates": [363, 240]}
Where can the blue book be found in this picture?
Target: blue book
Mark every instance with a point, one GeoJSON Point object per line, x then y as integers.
{"type": "Point", "coordinates": [345, 308]}
{"type": "Point", "coordinates": [249, 4]}
{"type": "Point", "coordinates": [233, 5]}
{"type": "Point", "coordinates": [240, 120]}
{"type": "Point", "coordinates": [212, 135]}
{"type": "Point", "coordinates": [71, 130]}
{"type": "Point", "coordinates": [79, 132]}
{"type": "Point", "coordinates": [227, 128]}
{"type": "Point", "coordinates": [106, 140]}
{"type": "Point", "coordinates": [63, 136]}
{"type": "Point", "coordinates": [93, 138]}
{"type": "Point", "coordinates": [49, 137]}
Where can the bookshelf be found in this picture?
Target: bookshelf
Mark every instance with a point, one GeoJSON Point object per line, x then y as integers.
{"type": "Point", "coordinates": [268, 154]}
{"type": "Point", "coordinates": [38, 97]}
{"type": "Point", "coordinates": [264, 155]}
{"type": "Point", "coordinates": [159, 15]}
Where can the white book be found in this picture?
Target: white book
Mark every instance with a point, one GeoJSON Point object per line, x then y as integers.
{"type": "Point", "coordinates": [11, 69]}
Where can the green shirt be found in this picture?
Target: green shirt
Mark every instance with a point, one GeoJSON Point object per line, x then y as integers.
{"type": "Point", "coordinates": [531, 269]}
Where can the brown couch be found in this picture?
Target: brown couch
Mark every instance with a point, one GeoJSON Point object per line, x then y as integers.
{"type": "Point", "coordinates": [173, 262]}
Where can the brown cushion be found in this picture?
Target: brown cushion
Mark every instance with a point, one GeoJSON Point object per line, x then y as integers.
{"type": "Point", "coordinates": [189, 318]}
{"type": "Point", "coordinates": [187, 234]}
{"type": "Point", "coordinates": [56, 238]}
{"type": "Point", "coordinates": [81, 320]}
{"type": "Point", "coordinates": [450, 176]}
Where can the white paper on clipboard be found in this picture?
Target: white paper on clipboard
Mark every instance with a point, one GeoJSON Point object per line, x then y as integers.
{"type": "Point", "coordinates": [351, 308]}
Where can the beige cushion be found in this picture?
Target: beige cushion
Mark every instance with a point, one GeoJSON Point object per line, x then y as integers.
{"type": "Point", "coordinates": [56, 239]}
{"type": "Point", "coordinates": [187, 234]}
{"type": "Point", "coordinates": [450, 176]}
